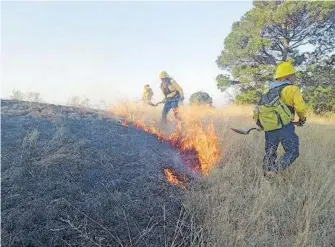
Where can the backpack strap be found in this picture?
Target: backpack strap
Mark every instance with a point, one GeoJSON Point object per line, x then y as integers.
{"type": "Point", "coordinates": [271, 94]}
{"type": "Point", "coordinates": [280, 88]}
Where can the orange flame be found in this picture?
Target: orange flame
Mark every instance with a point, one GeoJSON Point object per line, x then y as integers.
{"type": "Point", "coordinates": [173, 178]}
{"type": "Point", "coordinates": [199, 146]}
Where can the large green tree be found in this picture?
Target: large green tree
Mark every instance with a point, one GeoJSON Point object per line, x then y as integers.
{"type": "Point", "coordinates": [273, 31]}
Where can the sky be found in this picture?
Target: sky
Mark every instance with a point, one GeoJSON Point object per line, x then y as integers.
{"type": "Point", "coordinates": [108, 50]}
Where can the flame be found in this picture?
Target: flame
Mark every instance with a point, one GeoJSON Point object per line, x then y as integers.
{"type": "Point", "coordinates": [172, 177]}
{"type": "Point", "coordinates": [198, 145]}
{"type": "Point", "coordinates": [124, 123]}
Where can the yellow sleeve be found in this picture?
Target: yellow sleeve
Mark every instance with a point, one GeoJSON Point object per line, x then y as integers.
{"type": "Point", "coordinates": [178, 88]}
{"type": "Point", "coordinates": [299, 103]}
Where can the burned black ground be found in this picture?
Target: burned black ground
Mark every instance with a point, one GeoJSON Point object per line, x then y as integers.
{"type": "Point", "coordinates": [75, 177]}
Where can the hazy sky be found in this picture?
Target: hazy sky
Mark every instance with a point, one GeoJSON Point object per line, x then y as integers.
{"type": "Point", "coordinates": [109, 50]}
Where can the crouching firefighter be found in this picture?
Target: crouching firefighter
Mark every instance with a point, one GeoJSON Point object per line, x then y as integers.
{"type": "Point", "coordinates": [173, 94]}
{"type": "Point", "coordinates": [274, 114]}
{"type": "Point", "coordinates": [147, 94]}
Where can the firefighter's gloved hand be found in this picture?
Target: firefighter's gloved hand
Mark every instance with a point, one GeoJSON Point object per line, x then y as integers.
{"type": "Point", "coordinates": [182, 99]}
{"type": "Point", "coordinates": [302, 121]}
{"type": "Point", "coordinates": [258, 123]}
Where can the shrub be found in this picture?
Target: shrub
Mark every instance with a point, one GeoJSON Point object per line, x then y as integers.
{"type": "Point", "coordinates": [201, 98]}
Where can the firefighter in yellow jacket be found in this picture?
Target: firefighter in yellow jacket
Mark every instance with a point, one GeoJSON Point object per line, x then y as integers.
{"type": "Point", "coordinates": [173, 94]}
{"type": "Point", "coordinates": [147, 94]}
{"type": "Point", "coordinates": [280, 129]}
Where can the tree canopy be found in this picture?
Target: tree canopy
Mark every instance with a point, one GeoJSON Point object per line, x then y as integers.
{"type": "Point", "coordinates": [201, 98]}
{"type": "Point", "coordinates": [273, 31]}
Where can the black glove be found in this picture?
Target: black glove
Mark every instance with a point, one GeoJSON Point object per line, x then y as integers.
{"type": "Point", "coordinates": [302, 121]}
{"type": "Point", "coordinates": [258, 123]}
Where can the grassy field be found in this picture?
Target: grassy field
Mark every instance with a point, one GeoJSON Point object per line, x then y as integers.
{"type": "Point", "coordinates": [235, 205]}
{"type": "Point", "coordinates": [78, 177]}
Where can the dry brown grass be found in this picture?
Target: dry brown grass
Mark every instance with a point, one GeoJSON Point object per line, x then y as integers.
{"type": "Point", "coordinates": [236, 206]}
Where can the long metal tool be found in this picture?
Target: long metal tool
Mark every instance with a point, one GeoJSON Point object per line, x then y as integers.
{"type": "Point", "coordinates": [147, 102]}
{"type": "Point", "coordinates": [152, 104]}
{"type": "Point", "coordinates": [162, 102]}
{"type": "Point", "coordinates": [247, 131]}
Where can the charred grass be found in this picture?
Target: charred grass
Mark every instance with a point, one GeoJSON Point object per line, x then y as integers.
{"type": "Point", "coordinates": [75, 177]}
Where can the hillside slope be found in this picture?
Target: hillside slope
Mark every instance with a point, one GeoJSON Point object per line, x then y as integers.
{"type": "Point", "coordinates": [74, 177]}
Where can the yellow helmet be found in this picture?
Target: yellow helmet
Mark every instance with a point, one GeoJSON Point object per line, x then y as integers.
{"type": "Point", "coordinates": [284, 69]}
{"type": "Point", "coordinates": [163, 75]}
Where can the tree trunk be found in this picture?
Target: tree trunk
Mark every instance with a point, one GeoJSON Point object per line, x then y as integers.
{"type": "Point", "coordinates": [286, 43]}
{"type": "Point", "coordinates": [285, 50]}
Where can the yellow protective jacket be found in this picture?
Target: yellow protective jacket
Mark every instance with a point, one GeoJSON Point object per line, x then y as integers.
{"type": "Point", "coordinates": [291, 96]}
{"type": "Point", "coordinates": [147, 93]}
{"type": "Point", "coordinates": [173, 90]}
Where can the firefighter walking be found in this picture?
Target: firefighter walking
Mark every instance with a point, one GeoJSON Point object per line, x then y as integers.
{"type": "Point", "coordinates": [172, 95]}
{"type": "Point", "coordinates": [274, 114]}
